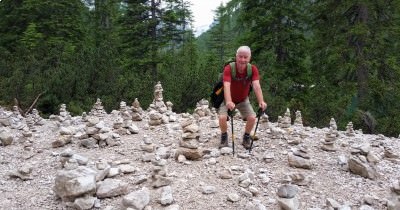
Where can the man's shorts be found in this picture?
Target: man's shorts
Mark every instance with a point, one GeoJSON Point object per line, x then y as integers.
{"type": "Point", "coordinates": [244, 108]}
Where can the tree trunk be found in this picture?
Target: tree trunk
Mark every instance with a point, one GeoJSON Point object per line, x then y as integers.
{"type": "Point", "coordinates": [362, 70]}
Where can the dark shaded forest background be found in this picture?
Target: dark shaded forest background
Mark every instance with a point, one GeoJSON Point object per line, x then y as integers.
{"type": "Point", "coordinates": [327, 58]}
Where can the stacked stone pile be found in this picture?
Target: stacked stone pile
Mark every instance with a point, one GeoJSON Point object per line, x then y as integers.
{"type": "Point", "coordinates": [136, 111]}
{"type": "Point", "coordinates": [37, 119]}
{"type": "Point", "coordinates": [264, 118]}
{"type": "Point", "coordinates": [17, 121]}
{"type": "Point", "coordinates": [6, 137]}
{"type": "Point", "coordinates": [287, 197]}
{"type": "Point", "coordinates": [172, 116]}
{"type": "Point", "coordinates": [81, 186]}
{"type": "Point", "coordinates": [148, 147]}
{"type": "Point", "coordinates": [95, 133]}
{"type": "Point", "coordinates": [328, 143]}
{"type": "Point", "coordinates": [299, 158]}
{"type": "Point", "coordinates": [30, 125]}
{"type": "Point", "coordinates": [189, 145]}
{"type": "Point", "coordinates": [33, 120]}
{"type": "Point", "coordinates": [66, 126]}
{"type": "Point", "coordinates": [202, 109]}
{"type": "Point", "coordinates": [4, 118]}
{"type": "Point", "coordinates": [363, 161]}
{"type": "Point", "coordinates": [123, 123]}
{"type": "Point", "coordinates": [98, 109]}
{"type": "Point", "coordinates": [285, 122]}
{"type": "Point", "coordinates": [350, 130]}
{"type": "Point", "coordinates": [333, 126]}
{"type": "Point", "coordinates": [299, 119]}
{"type": "Point", "coordinates": [214, 119]}
{"type": "Point", "coordinates": [155, 118]}
{"type": "Point", "coordinates": [63, 118]}
{"type": "Point", "coordinates": [158, 99]}
{"type": "Point", "coordinates": [158, 111]}
{"type": "Point", "coordinates": [295, 137]}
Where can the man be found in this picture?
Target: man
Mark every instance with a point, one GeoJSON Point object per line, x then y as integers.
{"type": "Point", "coordinates": [236, 95]}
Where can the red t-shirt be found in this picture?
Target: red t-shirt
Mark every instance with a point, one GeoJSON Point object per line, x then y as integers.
{"type": "Point", "coordinates": [240, 88]}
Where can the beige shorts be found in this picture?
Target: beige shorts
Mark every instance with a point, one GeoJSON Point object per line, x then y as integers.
{"type": "Point", "coordinates": [244, 108]}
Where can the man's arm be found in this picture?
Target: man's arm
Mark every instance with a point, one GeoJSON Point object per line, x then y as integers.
{"type": "Point", "coordinates": [258, 91]}
{"type": "Point", "coordinates": [227, 96]}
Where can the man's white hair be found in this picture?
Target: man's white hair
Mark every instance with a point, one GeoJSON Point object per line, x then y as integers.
{"type": "Point", "coordinates": [243, 49]}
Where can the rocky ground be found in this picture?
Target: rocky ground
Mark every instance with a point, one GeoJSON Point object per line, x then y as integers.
{"type": "Point", "coordinates": [31, 165]}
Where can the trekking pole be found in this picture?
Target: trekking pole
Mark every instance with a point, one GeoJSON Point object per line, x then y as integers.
{"type": "Point", "coordinates": [230, 113]}
{"type": "Point", "coordinates": [259, 113]}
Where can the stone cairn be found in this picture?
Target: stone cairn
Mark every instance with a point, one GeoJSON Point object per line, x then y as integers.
{"type": "Point", "coordinates": [6, 138]}
{"type": "Point", "coordinates": [64, 121]}
{"type": "Point", "coordinates": [287, 197]}
{"type": "Point", "coordinates": [264, 118]}
{"type": "Point", "coordinates": [81, 185]}
{"type": "Point", "coordinates": [158, 100]}
{"type": "Point", "coordinates": [148, 147]}
{"type": "Point", "coordinates": [350, 130]}
{"type": "Point", "coordinates": [124, 123]}
{"type": "Point", "coordinates": [158, 108]}
{"type": "Point", "coordinates": [171, 115]}
{"type": "Point", "coordinates": [362, 162]}
{"type": "Point", "coordinates": [297, 132]}
{"type": "Point", "coordinates": [299, 158]}
{"type": "Point", "coordinates": [64, 115]}
{"type": "Point", "coordinates": [98, 134]}
{"type": "Point", "coordinates": [295, 138]}
{"type": "Point", "coordinates": [333, 126]}
{"type": "Point", "coordinates": [27, 132]}
{"type": "Point", "coordinates": [214, 119]}
{"type": "Point", "coordinates": [202, 109]}
{"type": "Point", "coordinates": [155, 118]}
{"type": "Point", "coordinates": [63, 118]}
{"type": "Point", "coordinates": [329, 142]}
{"type": "Point", "coordinates": [33, 120]}
{"type": "Point", "coordinates": [84, 117]}
{"type": "Point", "coordinates": [17, 121]}
{"type": "Point", "coordinates": [137, 111]}
{"type": "Point", "coordinates": [191, 132]}
{"type": "Point", "coordinates": [189, 145]}
{"type": "Point", "coordinates": [125, 114]}
{"type": "Point", "coordinates": [38, 120]}
{"type": "Point", "coordinates": [4, 118]}
{"type": "Point", "coordinates": [298, 120]}
{"type": "Point", "coordinates": [98, 109]}
{"type": "Point", "coordinates": [159, 177]}
{"type": "Point", "coordinates": [285, 122]}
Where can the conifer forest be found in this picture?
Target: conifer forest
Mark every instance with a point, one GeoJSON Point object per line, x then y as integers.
{"type": "Point", "coordinates": [328, 59]}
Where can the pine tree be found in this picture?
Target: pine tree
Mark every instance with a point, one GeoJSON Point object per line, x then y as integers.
{"type": "Point", "coordinates": [276, 33]}
{"type": "Point", "coordinates": [355, 50]}
{"type": "Point", "coordinates": [149, 28]}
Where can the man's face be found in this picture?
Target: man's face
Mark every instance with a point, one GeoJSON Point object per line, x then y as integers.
{"type": "Point", "coordinates": [243, 58]}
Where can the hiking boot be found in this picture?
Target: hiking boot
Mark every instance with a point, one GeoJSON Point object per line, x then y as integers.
{"type": "Point", "coordinates": [224, 140]}
{"type": "Point", "coordinates": [246, 141]}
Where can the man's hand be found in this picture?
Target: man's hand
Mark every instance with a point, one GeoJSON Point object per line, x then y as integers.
{"type": "Point", "coordinates": [230, 105]}
{"type": "Point", "coordinates": [262, 105]}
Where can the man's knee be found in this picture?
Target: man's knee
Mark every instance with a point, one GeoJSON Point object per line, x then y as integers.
{"type": "Point", "coordinates": [222, 117]}
{"type": "Point", "coordinates": [251, 119]}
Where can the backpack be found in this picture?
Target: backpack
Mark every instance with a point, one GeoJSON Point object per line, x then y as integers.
{"type": "Point", "coordinates": [217, 95]}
